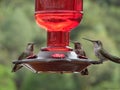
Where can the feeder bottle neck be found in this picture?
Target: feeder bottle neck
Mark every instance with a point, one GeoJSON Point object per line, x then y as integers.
{"type": "Point", "coordinates": [58, 39]}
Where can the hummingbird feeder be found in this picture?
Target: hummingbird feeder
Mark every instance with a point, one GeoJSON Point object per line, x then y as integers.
{"type": "Point", "coordinates": [58, 17]}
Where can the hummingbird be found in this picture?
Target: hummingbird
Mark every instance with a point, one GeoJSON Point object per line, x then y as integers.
{"type": "Point", "coordinates": [27, 53]}
{"type": "Point", "coordinates": [81, 54]}
{"type": "Point", "coordinates": [79, 50]}
{"type": "Point", "coordinates": [101, 53]}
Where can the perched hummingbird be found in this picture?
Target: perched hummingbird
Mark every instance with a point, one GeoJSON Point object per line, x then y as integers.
{"type": "Point", "coordinates": [81, 54]}
{"type": "Point", "coordinates": [101, 53]}
{"type": "Point", "coordinates": [79, 50]}
{"type": "Point", "coordinates": [27, 53]}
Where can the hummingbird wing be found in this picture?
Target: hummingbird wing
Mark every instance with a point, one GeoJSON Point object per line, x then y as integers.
{"type": "Point", "coordinates": [23, 56]}
{"type": "Point", "coordinates": [110, 57]}
{"type": "Point", "coordinates": [18, 66]}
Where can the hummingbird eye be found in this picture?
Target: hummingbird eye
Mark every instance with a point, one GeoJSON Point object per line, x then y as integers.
{"type": "Point", "coordinates": [29, 43]}
{"type": "Point", "coordinates": [97, 41]}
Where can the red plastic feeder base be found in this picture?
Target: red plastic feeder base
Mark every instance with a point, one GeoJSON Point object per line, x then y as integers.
{"type": "Point", "coordinates": [58, 66]}
{"type": "Point", "coordinates": [44, 63]}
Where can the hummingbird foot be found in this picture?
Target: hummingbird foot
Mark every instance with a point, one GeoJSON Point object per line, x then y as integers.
{"type": "Point", "coordinates": [61, 72]}
{"type": "Point", "coordinates": [84, 72]}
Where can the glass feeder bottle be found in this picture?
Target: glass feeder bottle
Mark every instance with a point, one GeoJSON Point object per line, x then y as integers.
{"type": "Point", "coordinates": [58, 17]}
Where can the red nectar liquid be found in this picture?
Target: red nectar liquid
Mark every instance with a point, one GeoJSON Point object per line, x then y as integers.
{"type": "Point", "coordinates": [58, 17]}
{"type": "Point", "coordinates": [58, 20]}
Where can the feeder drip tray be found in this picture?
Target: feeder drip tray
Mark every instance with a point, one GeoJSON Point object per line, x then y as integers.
{"type": "Point", "coordinates": [63, 62]}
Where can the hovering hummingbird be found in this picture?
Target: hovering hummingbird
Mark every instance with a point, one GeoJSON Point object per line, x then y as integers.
{"type": "Point", "coordinates": [81, 54]}
{"type": "Point", "coordinates": [101, 53]}
{"type": "Point", "coordinates": [27, 53]}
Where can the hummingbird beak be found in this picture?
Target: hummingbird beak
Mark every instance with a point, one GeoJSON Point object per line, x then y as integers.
{"type": "Point", "coordinates": [88, 40]}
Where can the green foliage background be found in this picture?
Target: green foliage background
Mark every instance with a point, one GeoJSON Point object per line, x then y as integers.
{"type": "Point", "coordinates": [17, 27]}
